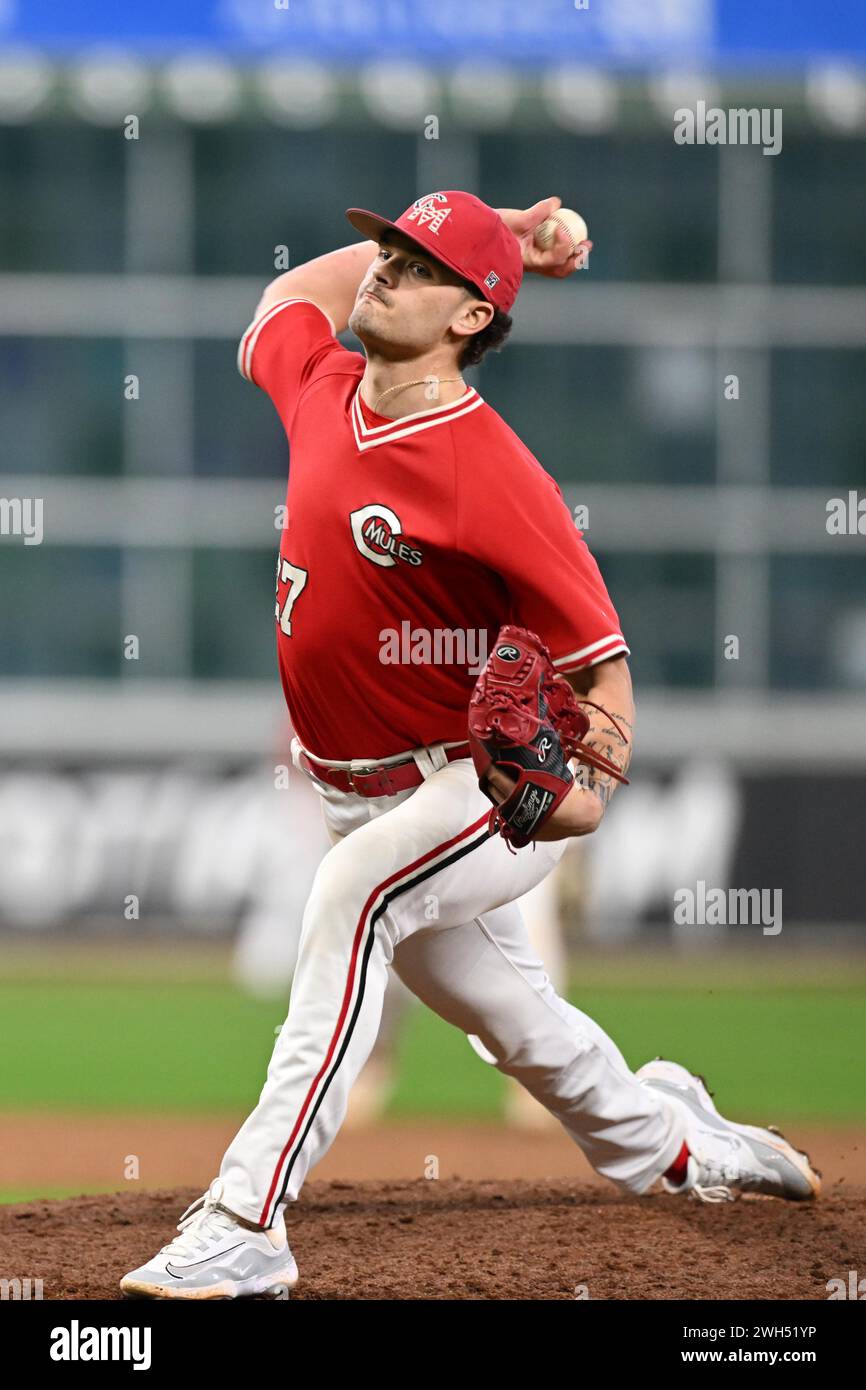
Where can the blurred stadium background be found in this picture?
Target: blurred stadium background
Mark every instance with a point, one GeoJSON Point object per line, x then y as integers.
{"type": "Point", "coordinates": [158, 165]}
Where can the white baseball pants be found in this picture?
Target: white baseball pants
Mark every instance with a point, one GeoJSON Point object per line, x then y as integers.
{"type": "Point", "coordinates": [415, 881]}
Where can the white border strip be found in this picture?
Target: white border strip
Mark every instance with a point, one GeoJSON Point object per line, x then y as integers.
{"type": "Point", "coordinates": [615, 640]}
{"type": "Point", "coordinates": [368, 430]}
{"type": "Point", "coordinates": [401, 433]}
{"type": "Point", "coordinates": [247, 344]}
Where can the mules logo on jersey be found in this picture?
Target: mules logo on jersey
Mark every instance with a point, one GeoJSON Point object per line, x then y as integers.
{"type": "Point", "coordinates": [377, 532]}
{"type": "Point", "coordinates": [427, 214]}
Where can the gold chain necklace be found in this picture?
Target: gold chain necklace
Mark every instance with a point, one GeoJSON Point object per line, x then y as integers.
{"type": "Point", "coordinates": [402, 385]}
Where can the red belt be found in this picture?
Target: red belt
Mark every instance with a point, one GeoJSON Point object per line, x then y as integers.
{"type": "Point", "coordinates": [376, 779]}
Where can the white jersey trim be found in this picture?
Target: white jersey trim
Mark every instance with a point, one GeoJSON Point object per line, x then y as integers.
{"type": "Point", "coordinates": [612, 645]}
{"type": "Point", "coordinates": [368, 436]}
{"type": "Point", "coordinates": [247, 344]}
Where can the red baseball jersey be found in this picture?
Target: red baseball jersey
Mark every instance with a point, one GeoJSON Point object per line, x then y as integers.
{"type": "Point", "coordinates": [407, 544]}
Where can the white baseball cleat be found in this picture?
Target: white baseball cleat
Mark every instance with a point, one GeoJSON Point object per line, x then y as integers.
{"type": "Point", "coordinates": [215, 1257]}
{"type": "Point", "coordinates": [726, 1159]}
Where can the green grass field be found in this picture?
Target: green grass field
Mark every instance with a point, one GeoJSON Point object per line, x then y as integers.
{"type": "Point", "coordinates": [169, 1033]}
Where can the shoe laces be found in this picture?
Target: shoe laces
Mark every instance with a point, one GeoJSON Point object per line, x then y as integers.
{"type": "Point", "coordinates": [202, 1221]}
{"type": "Point", "coordinates": [713, 1194]}
{"type": "Point", "coordinates": [719, 1172]}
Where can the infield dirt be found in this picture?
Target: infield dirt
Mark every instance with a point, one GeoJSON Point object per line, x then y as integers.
{"type": "Point", "coordinates": [479, 1235]}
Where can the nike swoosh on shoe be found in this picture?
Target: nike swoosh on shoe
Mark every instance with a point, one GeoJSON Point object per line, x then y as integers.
{"type": "Point", "coordinates": [220, 1255]}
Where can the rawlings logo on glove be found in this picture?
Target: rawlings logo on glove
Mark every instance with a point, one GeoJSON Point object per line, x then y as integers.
{"type": "Point", "coordinates": [525, 719]}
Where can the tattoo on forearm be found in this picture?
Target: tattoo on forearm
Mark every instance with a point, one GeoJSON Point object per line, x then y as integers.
{"type": "Point", "coordinates": [606, 739]}
{"type": "Point", "coordinates": [621, 719]}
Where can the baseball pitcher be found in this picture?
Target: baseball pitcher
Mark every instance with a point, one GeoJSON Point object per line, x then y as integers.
{"type": "Point", "coordinates": [457, 677]}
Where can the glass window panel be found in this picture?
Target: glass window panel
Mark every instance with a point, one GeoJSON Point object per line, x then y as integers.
{"type": "Point", "coordinates": [666, 607]}
{"type": "Point", "coordinates": [819, 210]}
{"type": "Point", "coordinates": [238, 433]}
{"type": "Point", "coordinates": [818, 631]}
{"type": "Point", "coordinates": [62, 191]}
{"type": "Point", "coordinates": [233, 605]}
{"type": "Point", "coordinates": [259, 187]}
{"type": "Point", "coordinates": [818, 419]}
{"type": "Point", "coordinates": [60, 403]}
{"type": "Point", "coordinates": [60, 614]}
{"type": "Point", "coordinates": [598, 415]}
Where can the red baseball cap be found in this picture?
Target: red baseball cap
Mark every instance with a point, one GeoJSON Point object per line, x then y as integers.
{"type": "Point", "coordinates": [462, 232]}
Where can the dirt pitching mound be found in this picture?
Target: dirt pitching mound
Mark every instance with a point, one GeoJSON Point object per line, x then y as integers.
{"type": "Point", "coordinates": [453, 1239]}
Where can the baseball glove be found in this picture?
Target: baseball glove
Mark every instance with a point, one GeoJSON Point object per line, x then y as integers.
{"type": "Point", "coordinates": [525, 719]}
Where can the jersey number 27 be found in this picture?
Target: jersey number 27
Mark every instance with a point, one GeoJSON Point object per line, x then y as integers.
{"type": "Point", "coordinates": [296, 579]}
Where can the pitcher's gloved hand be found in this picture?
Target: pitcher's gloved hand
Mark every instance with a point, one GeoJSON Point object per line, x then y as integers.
{"type": "Point", "coordinates": [526, 721]}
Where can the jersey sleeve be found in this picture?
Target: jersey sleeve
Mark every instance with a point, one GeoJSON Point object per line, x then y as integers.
{"type": "Point", "coordinates": [285, 349]}
{"type": "Point", "coordinates": [526, 534]}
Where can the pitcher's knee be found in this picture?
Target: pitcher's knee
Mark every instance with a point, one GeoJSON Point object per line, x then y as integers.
{"type": "Point", "coordinates": [538, 1056]}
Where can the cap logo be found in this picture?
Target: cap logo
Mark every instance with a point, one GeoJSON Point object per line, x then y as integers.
{"type": "Point", "coordinates": [426, 214]}
{"type": "Point", "coordinates": [491, 280]}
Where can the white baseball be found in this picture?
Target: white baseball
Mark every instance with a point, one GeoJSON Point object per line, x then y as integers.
{"type": "Point", "coordinates": [571, 223]}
